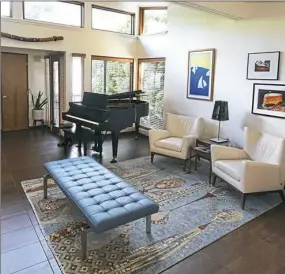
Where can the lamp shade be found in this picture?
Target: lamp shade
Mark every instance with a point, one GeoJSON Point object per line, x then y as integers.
{"type": "Point", "coordinates": [220, 111]}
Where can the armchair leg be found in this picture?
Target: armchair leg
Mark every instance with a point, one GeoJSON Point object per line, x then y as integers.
{"type": "Point", "coordinates": [214, 178]}
{"type": "Point", "coordinates": [151, 157]}
{"type": "Point", "coordinates": [184, 165]}
{"type": "Point", "coordinates": [243, 198]}
{"type": "Point", "coordinates": [282, 195]}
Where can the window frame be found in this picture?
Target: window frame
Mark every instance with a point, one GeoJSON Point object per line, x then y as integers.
{"type": "Point", "coordinates": [82, 56]}
{"type": "Point", "coordinates": [10, 11]}
{"type": "Point", "coordinates": [115, 59]}
{"type": "Point", "coordinates": [146, 60]}
{"type": "Point", "coordinates": [115, 11]}
{"type": "Point", "coordinates": [141, 17]}
{"type": "Point", "coordinates": [81, 4]}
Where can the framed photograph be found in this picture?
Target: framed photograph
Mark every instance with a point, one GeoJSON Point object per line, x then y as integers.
{"type": "Point", "coordinates": [268, 100]}
{"type": "Point", "coordinates": [263, 66]}
{"type": "Point", "coordinates": [200, 80]}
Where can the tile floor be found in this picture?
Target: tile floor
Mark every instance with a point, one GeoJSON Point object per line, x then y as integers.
{"type": "Point", "coordinates": [24, 249]}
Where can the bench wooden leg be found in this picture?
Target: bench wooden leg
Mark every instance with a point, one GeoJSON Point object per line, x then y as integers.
{"type": "Point", "coordinates": [148, 224]}
{"type": "Point", "coordinates": [46, 177]}
{"type": "Point", "coordinates": [83, 244]}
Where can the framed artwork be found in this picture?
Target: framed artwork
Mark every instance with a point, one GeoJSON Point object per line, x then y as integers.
{"type": "Point", "coordinates": [268, 100]}
{"type": "Point", "coordinates": [263, 66]}
{"type": "Point", "coordinates": [200, 80]}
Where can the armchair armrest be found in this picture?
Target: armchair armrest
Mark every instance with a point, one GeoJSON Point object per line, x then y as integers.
{"type": "Point", "coordinates": [227, 153]}
{"type": "Point", "coordinates": [188, 141]}
{"type": "Point", "coordinates": [259, 176]}
{"type": "Point", "coordinates": [157, 134]}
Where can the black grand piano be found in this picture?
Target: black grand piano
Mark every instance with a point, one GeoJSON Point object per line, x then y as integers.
{"type": "Point", "coordinates": [98, 114]}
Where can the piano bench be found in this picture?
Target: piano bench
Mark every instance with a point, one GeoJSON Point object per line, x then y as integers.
{"type": "Point", "coordinates": [104, 199]}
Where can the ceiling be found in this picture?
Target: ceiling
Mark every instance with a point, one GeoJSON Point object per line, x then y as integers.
{"type": "Point", "coordinates": [239, 10]}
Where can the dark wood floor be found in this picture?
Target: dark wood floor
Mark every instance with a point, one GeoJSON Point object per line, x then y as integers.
{"type": "Point", "coordinates": [258, 247]}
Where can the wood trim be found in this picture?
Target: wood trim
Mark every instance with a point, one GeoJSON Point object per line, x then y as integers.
{"type": "Point", "coordinates": [154, 8]}
{"type": "Point", "coordinates": [151, 60]}
{"type": "Point", "coordinates": [74, 2]}
{"type": "Point", "coordinates": [116, 11]}
{"type": "Point", "coordinates": [83, 55]}
{"type": "Point", "coordinates": [113, 10]}
{"type": "Point", "coordinates": [114, 59]}
{"type": "Point", "coordinates": [67, 2]}
{"type": "Point", "coordinates": [141, 15]}
{"type": "Point", "coordinates": [118, 59]}
{"type": "Point", "coordinates": [143, 60]}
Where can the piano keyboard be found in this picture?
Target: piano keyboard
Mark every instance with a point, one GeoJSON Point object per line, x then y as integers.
{"type": "Point", "coordinates": [82, 120]}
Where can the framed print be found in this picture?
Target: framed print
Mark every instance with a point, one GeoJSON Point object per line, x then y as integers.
{"type": "Point", "coordinates": [268, 100]}
{"type": "Point", "coordinates": [263, 66]}
{"type": "Point", "coordinates": [200, 79]}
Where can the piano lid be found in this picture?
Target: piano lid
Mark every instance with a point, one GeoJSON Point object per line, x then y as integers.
{"type": "Point", "coordinates": [126, 95]}
{"type": "Point", "coordinates": [95, 100]}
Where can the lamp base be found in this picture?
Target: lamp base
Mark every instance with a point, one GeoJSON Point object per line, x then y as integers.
{"type": "Point", "coordinates": [219, 140]}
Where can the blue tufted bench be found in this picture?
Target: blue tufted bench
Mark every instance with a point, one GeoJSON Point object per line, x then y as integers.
{"type": "Point", "coordinates": [105, 199]}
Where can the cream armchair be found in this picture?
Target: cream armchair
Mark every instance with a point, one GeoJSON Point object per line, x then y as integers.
{"type": "Point", "coordinates": [175, 140]}
{"type": "Point", "coordinates": [259, 167]}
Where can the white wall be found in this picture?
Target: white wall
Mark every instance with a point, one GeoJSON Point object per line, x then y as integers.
{"type": "Point", "coordinates": [233, 40]}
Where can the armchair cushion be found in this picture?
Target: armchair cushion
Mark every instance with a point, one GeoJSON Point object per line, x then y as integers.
{"type": "Point", "coordinates": [171, 143]}
{"type": "Point", "coordinates": [232, 168]}
{"type": "Point", "coordinates": [157, 134]}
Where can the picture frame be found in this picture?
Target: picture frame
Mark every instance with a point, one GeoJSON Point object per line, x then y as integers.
{"type": "Point", "coordinates": [268, 100]}
{"type": "Point", "coordinates": [201, 71]}
{"type": "Point", "coordinates": [263, 65]}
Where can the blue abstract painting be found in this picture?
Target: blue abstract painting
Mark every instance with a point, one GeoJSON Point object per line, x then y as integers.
{"type": "Point", "coordinates": [200, 66]}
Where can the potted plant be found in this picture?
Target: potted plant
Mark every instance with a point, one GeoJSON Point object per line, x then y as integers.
{"type": "Point", "coordinates": [38, 104]}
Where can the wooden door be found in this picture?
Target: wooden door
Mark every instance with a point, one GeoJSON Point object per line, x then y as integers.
{"type": "Point", "coordinates": [14, 91]}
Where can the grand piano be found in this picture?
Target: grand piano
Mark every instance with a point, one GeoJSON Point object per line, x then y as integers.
{"type": "Point", "coordinates": [98, 114]}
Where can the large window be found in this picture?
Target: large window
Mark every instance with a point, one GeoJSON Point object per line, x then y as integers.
{"type": "Point", "coordinates": [77, 77]}
{"type": "Point", "coordinates": [153, 20]}
{"type": "Point", "coordinates": [112, 75]}
{"type": "Point", "coordinates": [6, 8]}
{"type": "Point", "coordinates": [112, 20]}
{"type": "Point", "coordinates": [151, 81]}
{"type": "Point", "coordinates": [54, 12]}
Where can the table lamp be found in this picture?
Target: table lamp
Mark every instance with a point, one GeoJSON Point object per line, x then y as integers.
{"type": "Point", "coordinates": [220, 113]}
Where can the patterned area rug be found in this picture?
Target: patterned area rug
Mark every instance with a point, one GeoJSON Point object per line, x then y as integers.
{"type": "Point", "coordinates": [192, 215]}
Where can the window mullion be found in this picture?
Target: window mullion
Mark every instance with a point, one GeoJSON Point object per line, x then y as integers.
{"type": "Point", "coordinates": [105, 76]}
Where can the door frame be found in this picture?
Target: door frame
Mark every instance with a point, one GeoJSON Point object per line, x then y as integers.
{"type": "Point", "coordinates": [28, 85]}
{"type": "Point", "coordinates": [54, 58]}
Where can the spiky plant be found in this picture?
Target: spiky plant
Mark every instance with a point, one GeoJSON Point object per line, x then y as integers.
{"type": "Point", "coordinates": [38, 104]}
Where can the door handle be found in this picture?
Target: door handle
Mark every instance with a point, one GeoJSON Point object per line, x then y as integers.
{"type": "Point", "coordinates": [5, 97]}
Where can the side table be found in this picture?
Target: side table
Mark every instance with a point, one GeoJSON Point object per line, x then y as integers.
{"type": "Point", "coordinates": [203, 150]}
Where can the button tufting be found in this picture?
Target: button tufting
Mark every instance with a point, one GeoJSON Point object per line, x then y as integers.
{"type": "Point", "coordinates": [96, 190]}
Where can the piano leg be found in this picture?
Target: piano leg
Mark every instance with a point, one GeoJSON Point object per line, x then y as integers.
{"type": "Point", "coordinates": [79, 144]}
{"type": "Point", "coordinates": [137, 127]}
{"type": "Point", "coordinates": [85, 148]}
{"type": "Point", "coordinates": [115, 141]}
{"type": "Point", "coordinates": [98, 142]}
